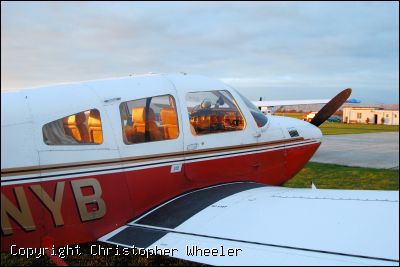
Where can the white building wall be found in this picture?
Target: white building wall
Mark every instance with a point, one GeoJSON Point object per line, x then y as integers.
{"type": "Point", "coordinates": [396, 118]}
{"type": "Point", "coordinates": [374, 116]}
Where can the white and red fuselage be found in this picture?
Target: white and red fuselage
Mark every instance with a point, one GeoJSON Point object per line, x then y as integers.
{"type": "Point", "coordinates": [73, 194]}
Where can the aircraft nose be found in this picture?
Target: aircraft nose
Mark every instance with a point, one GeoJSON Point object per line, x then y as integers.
{"type": "Point", "coordinates": [304, 128]}
{"type": "Point", "coordinates": [311, 131]}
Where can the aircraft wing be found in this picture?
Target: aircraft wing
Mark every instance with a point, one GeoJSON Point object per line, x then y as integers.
{"type": "Point", "coordinates": [252, 224]}
{"type": "Point", "coordinates": [277, 103]}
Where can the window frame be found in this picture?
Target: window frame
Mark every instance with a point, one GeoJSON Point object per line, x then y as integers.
{"type": "Point", "coordinates": [77, 145]}
{"type": "Point", "coordinates": [253, 107]}
{"type": "Point", "coordinates": [124, 138]}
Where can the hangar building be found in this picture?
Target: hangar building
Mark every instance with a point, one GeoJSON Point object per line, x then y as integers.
{"type": "Point", "coordinates": [370, 115]}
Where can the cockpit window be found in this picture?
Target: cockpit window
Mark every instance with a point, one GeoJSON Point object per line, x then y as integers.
{"type": "Point", "coordinates": [213, 112]}
{"type": "Point", "coordinates": [258, 116]}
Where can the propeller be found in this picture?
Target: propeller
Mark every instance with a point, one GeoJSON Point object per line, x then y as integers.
{"type": "Point", "coordinates": [331, 107]}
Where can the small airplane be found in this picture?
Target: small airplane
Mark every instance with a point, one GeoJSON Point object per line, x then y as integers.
{"type": "Point", "coordinates": [179, 161]}
{"type": "Point", "coordinates": [270, 106]}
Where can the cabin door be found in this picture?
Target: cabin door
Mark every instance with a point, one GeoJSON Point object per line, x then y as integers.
{"type": "Point", "coordinates": [150, 141]}
{"type": "Point", "coordinates": [217, 139]}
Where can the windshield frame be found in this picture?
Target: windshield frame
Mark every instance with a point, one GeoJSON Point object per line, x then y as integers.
{"type": "Point", "coordinates": [252, 108]}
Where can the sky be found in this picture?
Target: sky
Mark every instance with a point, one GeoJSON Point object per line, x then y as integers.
{"type": "Point", "coordinates": [277, 50]}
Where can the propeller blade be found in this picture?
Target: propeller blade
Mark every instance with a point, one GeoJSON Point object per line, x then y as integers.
{"type": "Point", "coordinates": [331, 107]}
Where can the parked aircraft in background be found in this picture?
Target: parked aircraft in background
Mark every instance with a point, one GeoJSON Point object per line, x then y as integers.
{"type": "Point", "coordinates": [270, 106]}
{"type": "Point", "coordinates": [179, 160]}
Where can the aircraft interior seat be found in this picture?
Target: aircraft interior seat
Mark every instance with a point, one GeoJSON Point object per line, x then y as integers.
{"type": "Point", "coordinates": [204, 122]}
{"type": "Point", "coordinates": [220, 118]}
{"type": "Point", "coordinates": [94, 127]}
{"type": "Point", "coordinates": [213, 120]}
{"type": "Point", "coordinates": [83, 129]}
{"type": "Point", "coordinates": [217, 121]}
{"type": "Point", "coordinates": [155, 133]}
{"type": "Point", "coordinates": [75, 127]}
{"type": "Point", "coordinates": [227, 120]}
{"type": "Point", "coordinates": [169, 122]}
{"type": "Point", "coordinates": [136, 132]}
{"type": "Point", "coordinates": [139, 126]}
{"type": "Point", "coordinates": [129, 134]}
{"type": "Point", "coordinates": [193, 124]}
{"type": "Point", "coordinates": [194, 121]}
{"type": "Point", "coordinates": [231, 118]}
{"type": "Point", "coordinates": [200, 123]}
{"type": "Point", "coordinates": [70, 128]}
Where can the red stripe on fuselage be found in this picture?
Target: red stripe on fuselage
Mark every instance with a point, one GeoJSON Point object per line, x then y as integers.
{"type": "Point", "coordinates": [128, 194]}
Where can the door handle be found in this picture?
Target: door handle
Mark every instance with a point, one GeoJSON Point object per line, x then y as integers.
{"type": "Point", "coordinates": [257, 134]}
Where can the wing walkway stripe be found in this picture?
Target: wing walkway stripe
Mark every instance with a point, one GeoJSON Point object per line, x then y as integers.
{"type": "Point", "coordinates": [176, 212]}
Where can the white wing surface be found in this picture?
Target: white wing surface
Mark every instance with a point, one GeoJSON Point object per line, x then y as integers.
{"type": "Point", "coordinates": [251, 224]}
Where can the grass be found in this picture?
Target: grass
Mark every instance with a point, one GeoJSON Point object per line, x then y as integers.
{"type": "Point", "coordinates": [331, 128]}
{"type": "Point", "coordinates": [323, 175]}
{"type": "Point", "coordinates": [332, 176]}
{"type": "Point", "coordinates": [296, 115]}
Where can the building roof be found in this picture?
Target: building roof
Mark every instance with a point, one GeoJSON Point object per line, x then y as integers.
{"type": "Point", "coordinates": [370, 108]}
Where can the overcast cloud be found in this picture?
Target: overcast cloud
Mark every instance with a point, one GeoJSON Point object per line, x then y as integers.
{"type": "Point", "coordinates": [279, 50]}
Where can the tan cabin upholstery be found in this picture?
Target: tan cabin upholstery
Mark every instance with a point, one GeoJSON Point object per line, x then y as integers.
{"type": "Point", "coordinates": [137, 133]}
{"type": "Point", "coordinates": [75, 127]}
{"type": "Point", "coordinates": [129, 134]}
{"type": "Point", "coordinates": [94, 127]}
{"type": "Point", "coordinates": [204, 122]}
{"type": "Point", "coordinates": [71, 128]}
{"type": "Point", "coordinates": [170, 123]}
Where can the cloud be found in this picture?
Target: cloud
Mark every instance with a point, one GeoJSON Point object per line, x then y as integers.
{"type": "Point", "coordinates": [305, 49]}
